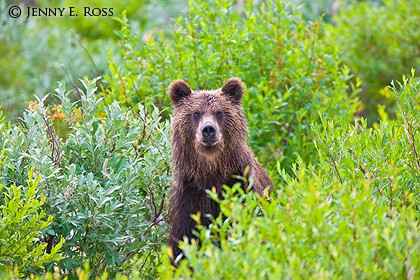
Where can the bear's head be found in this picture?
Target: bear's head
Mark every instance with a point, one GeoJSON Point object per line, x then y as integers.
{"type": "Point", "coordinates": [208, 122]}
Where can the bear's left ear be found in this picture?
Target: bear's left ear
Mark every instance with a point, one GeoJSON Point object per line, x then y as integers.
{"type": "Point", "coordinates": [178, 90]}
{"type": "Point", "coordinates": [233, 89]}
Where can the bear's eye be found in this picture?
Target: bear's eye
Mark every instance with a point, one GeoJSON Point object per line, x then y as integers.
{"type": "Point", "coordinates": [219, 115]}
{"type": "Point", "coordinates": [196, 115]}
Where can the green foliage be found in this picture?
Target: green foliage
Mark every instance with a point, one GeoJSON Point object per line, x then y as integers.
{"type": "Point", "coordinates": [408, 96]}
{"type": "Point", "coordinates": [289, 73]}
{"type": "Point", "coordinates": [353, 215]}
{"type": "Point", "coordinates": [38, 51]}
{"type": "Point", "coordinates": [89, 24]}
{"type": "Point", "coordinates": [105, 184]}
{"type": "Point", "coordinates": [35, 56]}
{"type": "Point", "coordinates": [312, 10]}
{"type": "Point", "coordinates": [378, 43]}
{"type": "Point", "coordinates": [144, 16]}
{"type": "Point", "coordinates": [22, 222]}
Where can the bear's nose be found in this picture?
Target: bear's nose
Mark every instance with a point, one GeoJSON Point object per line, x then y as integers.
{"type": "Point", "coordinates": [208, 131]}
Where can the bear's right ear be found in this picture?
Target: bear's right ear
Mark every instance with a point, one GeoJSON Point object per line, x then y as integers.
{"type": "Point", "coordinates": [178, 90]}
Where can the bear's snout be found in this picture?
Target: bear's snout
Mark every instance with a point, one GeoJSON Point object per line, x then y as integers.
{"type": "Point", "coordinates": [209, 134]}
{"type": "Point", "coordinates": [208, 131]}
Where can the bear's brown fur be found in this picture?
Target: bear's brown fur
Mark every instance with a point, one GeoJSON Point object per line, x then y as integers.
{"type": "Point", "coordinates": [209, 134]}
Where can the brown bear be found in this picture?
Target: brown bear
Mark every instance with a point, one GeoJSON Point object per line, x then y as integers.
{"type": "Point", "coordinates": [209, 133]}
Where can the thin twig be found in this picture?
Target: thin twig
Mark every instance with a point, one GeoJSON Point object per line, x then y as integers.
{"type": "Point", "coordinates": [88, 54]}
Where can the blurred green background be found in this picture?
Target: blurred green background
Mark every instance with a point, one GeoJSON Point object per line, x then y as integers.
{"type": "Point", "coordinates": [377, 40]}
{"type": "Point", "coordinates": [39, 51]}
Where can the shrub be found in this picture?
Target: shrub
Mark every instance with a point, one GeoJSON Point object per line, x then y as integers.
{"type": "Point", "coordinates": [353, 215]}
{"type": "Point", "coordinates": [105, 183]}
{"type": "Point", "coordinates": [22, 223]}
{"type": "Point", "coordinates": [289, 73]}
{"type": "Point", "coordinates": [378, 43]}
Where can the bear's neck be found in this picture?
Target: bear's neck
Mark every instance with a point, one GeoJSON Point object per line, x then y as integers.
{"type": "Point", "coordinates": [205, 172]}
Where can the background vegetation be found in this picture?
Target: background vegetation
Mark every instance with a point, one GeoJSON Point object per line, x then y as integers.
{"type": "Point", "coordinates": [85, 162]}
